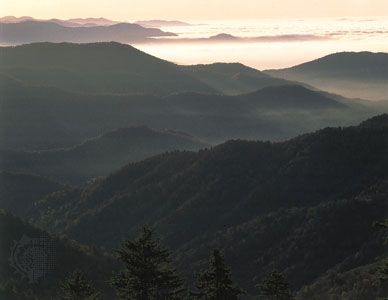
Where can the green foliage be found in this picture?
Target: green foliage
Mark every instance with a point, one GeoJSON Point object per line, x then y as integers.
{"type": "Point", "coordinates": [77, 287]}
{"type": "Point", "coordinates": [275, 287]}
{"type": "Point", "coordinates": [216, 283]}
{"type": "Point", "coordinates": [148, 273]}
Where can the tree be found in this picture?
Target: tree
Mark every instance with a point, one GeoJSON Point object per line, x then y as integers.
{"type": "Point", "coordinates": [383, 269]}
{"type": "Point", "coordinates": [215, 283]}
{"type": "Point", "coordinates": [148, 273]}
{"type": "Point", "coordinates": [275, 287]}
{"type": "Point", "coordinates": [77, 287]}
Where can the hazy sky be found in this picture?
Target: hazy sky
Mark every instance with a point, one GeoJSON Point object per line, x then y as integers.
{"type": "Point", "coordinates": [194, 9]}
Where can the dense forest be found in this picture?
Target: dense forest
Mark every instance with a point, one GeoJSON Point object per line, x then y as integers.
{"type": "Point", "coordinates": [126, 176]}
{"type": "Point", "coordinates": [267, 206]}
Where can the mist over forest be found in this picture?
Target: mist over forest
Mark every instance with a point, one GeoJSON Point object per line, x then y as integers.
{"type": "Point", "coordinates": [125, 175]}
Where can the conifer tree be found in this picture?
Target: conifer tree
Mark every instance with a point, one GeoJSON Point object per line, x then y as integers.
{"type": "Point", "coordinates": [215, 283]}
{"type": "Point", "coordinates": [77, 287]}
{"type": "Point", "coordinates": [275, 287]}
{"type": "Point", "coordinates": [148, 273]}
{"type": "Point", "coordinates": [383, 269]}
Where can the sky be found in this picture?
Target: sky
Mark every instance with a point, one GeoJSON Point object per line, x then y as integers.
{"type": "Point", "coordinates": [130, 10]}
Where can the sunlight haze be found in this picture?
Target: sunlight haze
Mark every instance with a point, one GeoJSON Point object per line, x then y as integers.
{"type": "Point", "coordinates": [193, 9]}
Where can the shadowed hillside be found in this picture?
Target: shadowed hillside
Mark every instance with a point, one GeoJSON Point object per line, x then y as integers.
{"type": "Point", "coordinates": [95, 68]}
{"type": "Point", "coordinates": [351, 74]}
{"type": "Point", "coordinates": [232, 78]}
{"type": "Point", "coordinates": [68, 257]}
{"type": "Point", "coordinates": [19, 192]}
{"type": "Point", "coordinates": [98, 156]}
{"type": "Point", "coordinates": [281, 204]}
{"type": "Point", "coordinates": [41, 118]}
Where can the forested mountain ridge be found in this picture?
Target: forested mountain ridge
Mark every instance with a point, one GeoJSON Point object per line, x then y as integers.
{"type": "Point", "coordinates": [98, 156]}
{"type": "Point", "coordinates": [95, 68]}
{"type": "Point", "coordinates": [348, 64]}
{"type": "Point", "coordinates": [42, 118]}
{"type": "Point", "coordinates": [232, 78]}
{"type": "Point", "coordinates": [325, 188]}
{"type": "Point", "coordinates": [351, 74]}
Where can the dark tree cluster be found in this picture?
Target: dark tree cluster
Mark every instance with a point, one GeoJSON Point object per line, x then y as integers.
{"type": "Point", "coordinates": [148, 274]}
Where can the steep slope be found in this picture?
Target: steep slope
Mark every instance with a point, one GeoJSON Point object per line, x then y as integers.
{"type": "Point", "coordinates": [352, 74]}
{"type": "Point", "coordinates": [318, 193]}
{"type": "Point", "coordinates": [30, 249]}
{"type": "Point", "coordinates": [232, 78]}
{"type": "Point", "coordinates": [33, 31]}
{"type": "Point", "coordinates": [18, 192]}
{"type": "Point", "coordinates": [95, 68]}
{"type": "Point", "coordinates": [98, 156]}
{"type": "Point", "coordinates": [303, 242]}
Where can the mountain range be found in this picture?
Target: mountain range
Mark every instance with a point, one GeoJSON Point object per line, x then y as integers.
{"type": "Point", "coordinates": [161, 23]}
{"type": "Point", "coordinates": [95, 68]}
{"type": "Point", "coordinates": [267, 205]}
{"type": "Point", "coordinates": [32, 31]}
{"type": "Point", "coordinates": [89, 22]}
{"type": "Point", "coordinates": [98, 156]}
{"type": "Point", "coordinates": [43, 118]}
{"type": "Point", "coordinates": [352, 74]}
{"type": "Point", "coordinates": [212, 102]}
{"type": "Point", "coordinates": [232, 78]}
{"type": "Point", "coordinates": [100, 139]}
{"type": "Point", "coordinates": [75, 22]}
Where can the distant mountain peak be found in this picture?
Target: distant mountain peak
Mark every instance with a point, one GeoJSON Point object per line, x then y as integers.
{"type": "Point", "coordinates": [13, 19]}
{"type": "Point", "coordinates": [161, 23]}
{"type": "Point", "coordinates": [223, 36]}
{"type": "Point", "coordinates": [361, 75]}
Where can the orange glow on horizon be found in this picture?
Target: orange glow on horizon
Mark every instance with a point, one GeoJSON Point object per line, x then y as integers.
{"type": "Point", "coordinates": [124, 10]}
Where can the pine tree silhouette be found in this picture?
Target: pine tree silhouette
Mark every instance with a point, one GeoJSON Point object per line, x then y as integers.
{"type": "Point", "coordinates": [215, 283]}
{"type": "Point", "coordinates": [275, 287]}
{"type": "Point", "coordinates": [77, 287]}
{"type": "Point", "coordinates": [148, 273]}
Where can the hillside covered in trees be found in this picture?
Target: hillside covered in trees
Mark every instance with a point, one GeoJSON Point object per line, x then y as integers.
{"type": "Point", "coordinates": [151, 180]}
{"type": "Point", "coordinates": [267, 205]}
{"type": "Point", "coordinates": [98, 156]}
